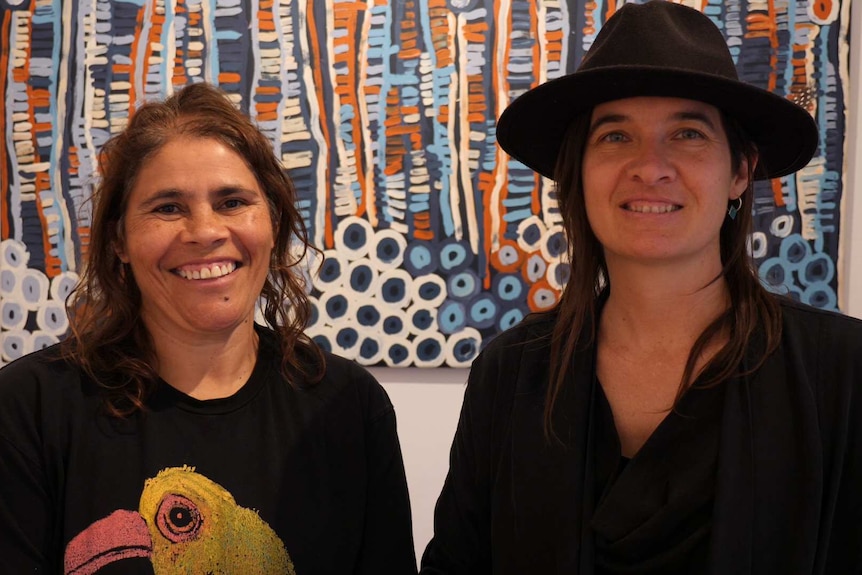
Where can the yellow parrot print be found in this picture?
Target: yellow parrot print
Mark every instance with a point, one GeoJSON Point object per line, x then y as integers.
{"type": "Point", "coordinates": [185, 523]}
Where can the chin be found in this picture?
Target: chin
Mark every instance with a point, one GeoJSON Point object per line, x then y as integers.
{"type": "Point", "coordinates": [215, 321]}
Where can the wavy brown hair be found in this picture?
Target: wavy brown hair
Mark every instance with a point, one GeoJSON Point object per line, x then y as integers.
{"type": "Point", "coordinates": [751, 305]}
{"type": "Point", "coordinates": [107, 337]}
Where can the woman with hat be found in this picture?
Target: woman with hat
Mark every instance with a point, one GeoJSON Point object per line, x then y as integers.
{"type": "Point", "coordinates": [670, 415]}
{"type": "Point", "coordinates": [170, 433]}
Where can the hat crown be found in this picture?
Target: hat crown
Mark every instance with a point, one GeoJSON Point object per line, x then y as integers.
{"type": "Point", "coordinates": [661, 35]}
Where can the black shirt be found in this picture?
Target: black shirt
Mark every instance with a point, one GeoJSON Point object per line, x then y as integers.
{"type": "Point", "coordinates": [270, 480]}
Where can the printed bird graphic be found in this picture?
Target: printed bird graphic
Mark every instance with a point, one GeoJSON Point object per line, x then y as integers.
{"type": "Point", "coordinates": [185, 523]}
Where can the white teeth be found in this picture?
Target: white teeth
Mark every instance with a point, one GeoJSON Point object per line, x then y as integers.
{"type": "Point", "coordinates": [652, 209]}
{"type": "Point", "coordinates": [215, 271]}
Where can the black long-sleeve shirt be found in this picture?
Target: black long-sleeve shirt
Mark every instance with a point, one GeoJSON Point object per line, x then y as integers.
{"type": "Point", "coordinates": [269, 480]}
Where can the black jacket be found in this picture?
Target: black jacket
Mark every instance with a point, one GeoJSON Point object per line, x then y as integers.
{"type": "Point", "coordinates": [788, 478]}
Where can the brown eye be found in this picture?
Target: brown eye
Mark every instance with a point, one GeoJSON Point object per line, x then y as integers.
{"type": "Point", "coordinates": [178, 518]}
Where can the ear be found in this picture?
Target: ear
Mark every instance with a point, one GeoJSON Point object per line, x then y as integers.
{"type": "Point", "coordinates": [119, 243]}
{"type": "Point", "coordinates": [121, 252]}
{"type": "Point", "coordinates": [743, 176]}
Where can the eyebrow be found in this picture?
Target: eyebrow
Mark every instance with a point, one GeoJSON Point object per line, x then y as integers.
{"type": "Point", "coordinates": [178, 194]}
{"type": "Point", "coordinates": [620, 118]}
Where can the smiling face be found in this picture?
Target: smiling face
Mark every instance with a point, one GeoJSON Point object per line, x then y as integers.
{"type": "Point", "coordinates": [198, 235]}
{"type": "Point", "coordinates": [657, 178]}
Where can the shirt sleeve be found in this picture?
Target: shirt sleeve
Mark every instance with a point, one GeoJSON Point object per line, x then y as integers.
{"type": "Point", "coordinates": [840, 401]}
{"type": "Point", "coordinates": [387, 546]}
{"type": "Point", "coordinates": [26, 526]}
{"type": "Point", "coordinates": [462, 517]}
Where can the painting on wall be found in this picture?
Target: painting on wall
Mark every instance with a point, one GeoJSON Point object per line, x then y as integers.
{"type": "Point", "coordinates": [384, 113]}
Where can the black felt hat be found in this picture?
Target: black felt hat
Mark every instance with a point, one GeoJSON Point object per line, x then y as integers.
{"type": "Point", "coordinates": [657, 49]}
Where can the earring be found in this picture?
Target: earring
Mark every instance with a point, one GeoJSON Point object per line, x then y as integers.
{"type": "Point", "coordinates": [732, 209]}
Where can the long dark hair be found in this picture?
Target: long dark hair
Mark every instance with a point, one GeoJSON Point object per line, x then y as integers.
{"type": "Point", "coordinates": [750, 304]}
{"type": "Point", "coordinates": [107, 337]}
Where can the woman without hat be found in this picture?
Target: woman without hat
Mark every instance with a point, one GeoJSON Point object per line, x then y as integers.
{"type": "Point", "coordinates": [169, 433]}
{"type": "Point", "coordinates": [688, 421]}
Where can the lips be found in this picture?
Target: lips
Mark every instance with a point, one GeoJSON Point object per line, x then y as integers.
{"type": "Point", "coordinates": [208, 271]}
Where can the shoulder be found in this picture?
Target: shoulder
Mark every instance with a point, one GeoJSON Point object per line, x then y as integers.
{"type": "Point", "coordinates": [347, 377]}
{"type": "Point", "coordinates": [532, 335]}
{"type": "Point", "coordinates": [36, 390]}
{"type": "Point", "coordinates": [823, 348]}
{"type": "Point", "coordinates": [820, 329]}
{"type": "Point", "coordinates": [516, 361]}
{"type": "Point", "coordinates": [342, 382]}
{"type": "Point", "coordinates": [41, 368]}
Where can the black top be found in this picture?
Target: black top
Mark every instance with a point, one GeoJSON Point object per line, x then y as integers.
{"type": "Point", "coordinates": [653, 512]}
{"type": "Point", "coordinates": [760, 475]}
{"type": "Point", "coordinates": [269, 480]}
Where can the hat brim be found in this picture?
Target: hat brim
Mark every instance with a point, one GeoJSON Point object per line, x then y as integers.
{"type": "Point", "coordinates": [533, 127]}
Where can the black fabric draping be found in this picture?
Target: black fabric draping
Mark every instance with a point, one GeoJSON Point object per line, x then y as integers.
{"type": "Point", "coordinates": [787, 473]}
{"type": "Point", "coordinates": [654, 513]}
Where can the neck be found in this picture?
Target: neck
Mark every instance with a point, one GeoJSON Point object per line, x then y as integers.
{"type": "Point", "coordinates": [651, 307]}
{"type": "Point", "coordinates": [206, 366]}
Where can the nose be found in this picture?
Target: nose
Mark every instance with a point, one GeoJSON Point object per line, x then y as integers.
{"type": "Point", "coordinates": [205, 226]}
{"type": "Point", "coordinates": [651, 164]}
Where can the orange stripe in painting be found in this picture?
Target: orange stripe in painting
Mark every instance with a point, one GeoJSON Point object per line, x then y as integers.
{"type": "Point", "coordinates": [611, 8]}
{"type": "Point", "coordinates": [409, 54]}
{"type": "Point", "coordinates": [229, 78]}
{"type": "Point", "coordinates": [399, 130]}
{"type": "Point", "coordinates": [394, 166]}
{"type": "Point", "coordinates": [777, 196]}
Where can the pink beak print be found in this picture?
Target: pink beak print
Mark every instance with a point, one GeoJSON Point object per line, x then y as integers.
{"type": "Point", "coordinates": [120, 535]}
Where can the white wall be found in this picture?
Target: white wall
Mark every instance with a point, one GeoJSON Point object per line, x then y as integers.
{"type": "Point", "coordinates": [850, 290]}
{"type": "Point", "coordinates": [427, 402]}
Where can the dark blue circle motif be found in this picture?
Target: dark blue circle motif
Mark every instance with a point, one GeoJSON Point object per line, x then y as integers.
{"type": "Point", "coordinates": [346, 337]}
{"type": "Point", "coordinates": [330, 270]}
{"type": "Point", "coordinates": [336, 307]}
{"type": "Point", "coordinates": [355, 236]}
{"type": "Point", "coordinates": [387, 250]}
{"type": "Point", "coordinates": [394, 290]}
{"type": "Point", "coordinates": [398, 353]}
{"type": "Point", "coordinates": [322, 342]}
{"type": "Point", "coordinates": [428, 350]}
{"type": "Point", "coordinates": [360, 278]}
{"type": "Point", "coordinates": [367, 315]}
{"type": "Point", "coordinates": [369, 348]}
{"type": "Point", "coordinates": [422, 319]}
{"type": "Point", "coordinates": [392, 325]}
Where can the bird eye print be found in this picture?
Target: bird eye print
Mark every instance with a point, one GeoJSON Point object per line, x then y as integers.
{"type": "Point", "coordinates": [178, 518]}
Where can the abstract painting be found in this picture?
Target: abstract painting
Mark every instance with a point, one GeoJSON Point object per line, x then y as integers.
{"type": "Point", "coordinates": [384, 113]}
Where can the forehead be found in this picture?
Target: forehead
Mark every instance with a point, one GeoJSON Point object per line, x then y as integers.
{"type": "Point", "coordinates": [656, 108]}
{"type": "Point", "coordinates": [193, 160]}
